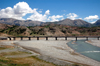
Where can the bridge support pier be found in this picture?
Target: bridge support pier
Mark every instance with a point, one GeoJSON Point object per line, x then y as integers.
{"type": "Point", "coordinates": [76, 38]}
{"type": "Point", "coordinates": [14, 38]}
{"type": "Point", "coordinates": [29, 38]}
{"type": "Point", "coordinates": [21, 38]}
{"type": "Point", "coordinates": [65, 38]}
{"type": "Point", "coordinates": [9, 38]}
{"type": "Point", "coordinates": [55, 38]}
{"type": "Point", "coordinates": [37, 38]}
{"type": "Point", "coordinates": [98, 38]}
{"type": "Point", "coordinates": [46, 38]}
{"type": "Point", "coordinates": [86, 38]}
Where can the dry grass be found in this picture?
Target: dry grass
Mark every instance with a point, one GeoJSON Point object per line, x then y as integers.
{"type": "Point", "coordinates": [31, 61]}
{"type": "Point", "coordinates": [28, 61]}
{"type": "Point", "coordinates": [13, 53]}
{"type": "Point", "coordinates": [7, 46]}
{"type": "Point", "coordinates": [1, 48]}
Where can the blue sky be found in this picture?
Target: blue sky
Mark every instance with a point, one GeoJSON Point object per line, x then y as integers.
{"type": "Point", "coordinates": [50, 10]}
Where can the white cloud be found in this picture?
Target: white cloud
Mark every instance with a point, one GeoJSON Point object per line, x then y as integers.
{"type": "Point", "coordinates": [72, 16]}
{"type": "Point", "coordinates": [40, 11]}
{"type": "Point", "coordinates": [21, 9]}
{"type": "Point", "coordinates": [93, 22]}
{"type": "Point", "coordinates": [91, 18]}
{"type": "Point", "coordinates": [47, 12]}
{"type": "Point", "coordinates": [39, 17]}
{"type": "Point", "coordinates": [18, 11]}
{"type": "Point", "coordinates": [80, 18]}
{"type": "Point", "coordinates": [55, 18]}
{"type": "Point", "coordinates": [62, 19]}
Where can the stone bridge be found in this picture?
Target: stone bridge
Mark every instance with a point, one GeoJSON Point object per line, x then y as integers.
{"type": "Point", "coordinates": [56, 37]}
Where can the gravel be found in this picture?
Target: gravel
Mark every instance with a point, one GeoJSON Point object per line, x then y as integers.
{"type": "Point", "coordinates": [55, 51]}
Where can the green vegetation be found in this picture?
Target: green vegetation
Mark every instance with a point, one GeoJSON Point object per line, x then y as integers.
{"type": "Point", "coordinates": [51, 30]}
{"type": "Point", "coordinates": [1, 48]}
{"type": "Point", "coordinates": [74, 34]}
{"type": "Point", "coordinates": [27, 61]}
{"type": "Point", "coordinates": [9, 62]}
{"type": "Point", "coordinates": [47, 26]}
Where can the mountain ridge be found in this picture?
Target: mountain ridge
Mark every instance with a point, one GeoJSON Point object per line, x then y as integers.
{"type": "Point", "coordinates": [69, 22]}
{"type": "Point", "coordinates": [97, 23]}
{"type": "Point", "coordinates": [11, 21]}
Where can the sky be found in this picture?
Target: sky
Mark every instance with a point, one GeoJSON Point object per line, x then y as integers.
{"type": "Point", "coordinates": [50, 10]}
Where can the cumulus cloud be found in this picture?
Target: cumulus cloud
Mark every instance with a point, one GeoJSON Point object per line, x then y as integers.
{"type": "Point", "coordinates": [36, 16]}
{"type": "Point", "coordinates": [91, 18]}
{"type": "Point", "coordinates": [80, 18]}
{"type": "Point", "coordinates": [47, 12]}
{"type": "Point", "coordinates": [62, 19]}
{"type": "Point", "coordinates": [6, 13]}
{"type": "Point", "coordinates": [55, 18]}
{"type": "Point", "coordinates": [22, 8]}
{"type": "Point", "coordinates": [72, 16]}
{"type": "Point", "coordinates": [18, 11]}
{"type": "Point", "coordinates": [93, 22]}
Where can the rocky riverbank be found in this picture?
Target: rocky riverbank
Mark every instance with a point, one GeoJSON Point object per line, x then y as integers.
{"type": "Point", "coordinates": [53, 51]}
{"type": "Point", "coordinates": [94, 42]}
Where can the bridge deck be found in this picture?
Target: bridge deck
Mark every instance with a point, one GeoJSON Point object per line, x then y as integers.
{"type": "Point", "coordinates": [56, 37]}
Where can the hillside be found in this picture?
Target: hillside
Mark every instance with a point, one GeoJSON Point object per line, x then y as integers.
{"type": "Point", "coordinates": [97, 23]}
{"type": "Point", "coordinates": [50, 30]}
{"type": "Point", "coordinates": [69, 22]}
{"type": "Point", "coordinates": [11, 21]}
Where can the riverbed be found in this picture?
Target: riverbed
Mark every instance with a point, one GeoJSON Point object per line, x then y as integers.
{"type": "Point", "coordinates": [57, 52]}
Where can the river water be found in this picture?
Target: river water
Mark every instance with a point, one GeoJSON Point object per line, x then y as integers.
{"type": "Point", "coordinates": [85, 49]}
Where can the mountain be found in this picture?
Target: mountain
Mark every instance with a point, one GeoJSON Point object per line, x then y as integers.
{"type": "Point", "coordinates": [11, 21]}
{"type": "Point", "coordinates": [69, 22]}
{"type": "Point", "coordinates": [77, 22]}
{"type": "Point", "coordinates": [97, 23]}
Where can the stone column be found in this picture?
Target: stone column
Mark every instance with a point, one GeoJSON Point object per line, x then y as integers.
{"type": "Point", "coordinates": [76, 38]}
{"type": "Point", "coordinates": [21, 38]}
{"type": "Point", "coordinates": [9, 38]}
{"type": "Point", "coordinates": [86, 38]}
{"type": "Point", "coordinates": [98, 38]}
{"type": "Point", "coordinates": [65, 38]}
{"type": "Point", "coordinates": [14, 38]}
{"type": "Point", "coordinates": [37, 38]}
{"type": "Point", "coordinates": [29, 38]}
{"type": "Point", "coordinates": [46, 38]}
{"type": "Point", "coordinates": [55, 38]}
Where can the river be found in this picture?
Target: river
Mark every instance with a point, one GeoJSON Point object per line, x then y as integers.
{"type": "Point", "coordinates": [85, 49]}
